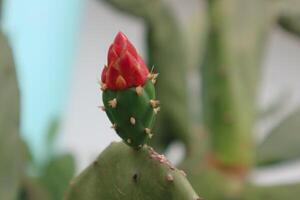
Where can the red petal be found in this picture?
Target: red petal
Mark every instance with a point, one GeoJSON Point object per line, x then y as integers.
{"type": "Point", "coordinates": [120, 82]}
{"type": "Point", "coordinates": [111, 55]}
{"type": "Point", "coordinates": [112, 75]}
{"type": "Point", "coordinates": [125, 66]}
{"type": "Point", "coordinates": [120, 39]}
{"type": "Point", "coordinates": [103, 75]}
{"type": "Point", "coordinates": [130, 48]}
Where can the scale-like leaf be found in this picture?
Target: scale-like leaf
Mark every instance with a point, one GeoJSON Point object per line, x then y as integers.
{"type": "Point", "coordinates": [282, 144]}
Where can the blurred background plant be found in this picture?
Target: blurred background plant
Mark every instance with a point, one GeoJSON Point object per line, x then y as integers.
{"type": "Point", "coordinates": [22, 176]}
{"type": "Point", "coordinates": [211, 99]}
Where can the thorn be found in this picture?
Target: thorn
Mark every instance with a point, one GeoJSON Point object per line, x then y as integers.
{"type": "Point", "coordinates": [170, 178]}
{"type": "Point", "coordinates": [113, 103]}
{"type": "Point", "coordinates": [148, 132]}
{"type": "Point", "coordinates": [132, 120]}
{"type": "Point", "coordinates": [139, 90]}
{"type": "Point", "coordinates": [154, 103]}
{"type": "Point", "coordinates": [153, 77]}
{"type": "Point", "coordinates": [102, 108]}
{"type": "Point", "coordinates": [114, 126]}
{"type": "Point", "coordinates": [152, 68]}
{"type": "Point", "coordinates": [128, 141]}
{"type": "Point", "coordinates": [103, 86]}
{"type": "Point", "coordinates": [182, 172]}
{"type": "Point", "coordinates": [156, 110]}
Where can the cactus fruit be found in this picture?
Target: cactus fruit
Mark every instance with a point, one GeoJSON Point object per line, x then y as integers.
{"type": "Point", "coordinates": [122, 173]}
{"type": "Point", "coordinates": [166, 48]}
{"type": "Point", "coordinates": [129, 93]}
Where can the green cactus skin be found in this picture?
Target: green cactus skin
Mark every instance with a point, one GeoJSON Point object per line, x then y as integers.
{"type": "Point", "coordinates": [10, 144]}
{"type": "Point", "coordinates": [123, 173]}
{"type": "Point", "coordinates": [131, 113]}
{"type": "Point", "coordinates": [230, 75]}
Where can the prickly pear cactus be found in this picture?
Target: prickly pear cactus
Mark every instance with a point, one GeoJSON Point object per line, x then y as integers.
{"type": "Point", "coordinates": [133, 171]}
{"type": "Point", "coordinates": [129, 93]}
{"type": "Point", "coordinates": [123, 173]}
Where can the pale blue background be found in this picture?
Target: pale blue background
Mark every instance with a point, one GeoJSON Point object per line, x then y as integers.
{"type": "Point", "coordinates": [43, 34]}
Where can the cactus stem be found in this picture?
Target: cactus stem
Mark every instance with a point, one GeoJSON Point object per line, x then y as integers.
{"type": "Point", "coordinates": [139, 90]}
{"type": "Point", "coordinates": [132, 120]}
{"type": "Point", "coordinates": [113, 103]}
{"type": "Point", "coordinates": [114, 126]}
{"type": "Point", "coordinates": [128, 141]}
{"type": "Point", "coordinates": [154, 103]}
{"type": "Point", "coordinates": [170, 178]}
{"type": "Point", "coordinates": [156, 110]}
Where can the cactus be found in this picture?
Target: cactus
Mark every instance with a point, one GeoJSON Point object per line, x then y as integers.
{"type": "Point", "coordinates": [134, 171]}
{"type": "Point", "coordinates": [10, 143]}
{"type": "Point", "coordinates": [230, 74]}
{"type": "Point", "coordinates": [123, 173]}
{"type": "Point", "coordinates": [128, 93]}
{"type": "Point", "coordinates": [218, 164]}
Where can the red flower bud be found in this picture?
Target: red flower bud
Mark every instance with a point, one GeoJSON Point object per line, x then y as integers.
{"type": "Point", "coordinates": [125, 68]}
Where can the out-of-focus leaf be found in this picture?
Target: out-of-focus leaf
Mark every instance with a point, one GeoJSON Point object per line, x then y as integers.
{"type": "Point", "coordinates": [291, 24]}
{"type": "Point", "coordinates": [289, 18]}
{"type": "Point", "coordinates": [10, 156]}
{"type": "Point", "coordinates": [274, 107]}
{"type": "Point", "coordinates": [52, 133]}
{"type": "Point", "coordinates": [31, 190]}
{"type": "Point", "coordinates": [283, 143]}
{"type": "Point", "coordinates": [278, 192]}
{"type": "Point", "coordinates": [57, 174]}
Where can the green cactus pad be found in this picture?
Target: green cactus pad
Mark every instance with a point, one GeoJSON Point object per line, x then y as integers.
{"type": "Point", "coordinates": [131, 113]}
{"type": "Point", "coordinates": [11, 161]}
{"type": "Point", "coordinates": [123, 173]}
